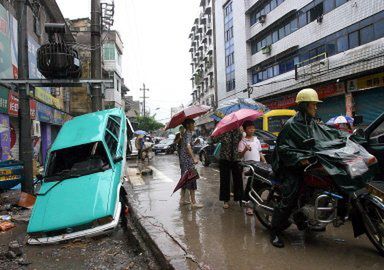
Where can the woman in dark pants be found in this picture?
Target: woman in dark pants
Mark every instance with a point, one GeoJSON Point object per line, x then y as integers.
{"type": "Point", "coordinates": [229, 164]}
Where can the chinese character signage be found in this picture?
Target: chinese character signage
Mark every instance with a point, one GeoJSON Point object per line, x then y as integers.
{"type": "Point", "coordinates": [366, 82]}
{"type": "Point", "coordinates": [3, 100]}
{"type": "Point", "coordinates": [13, 104]}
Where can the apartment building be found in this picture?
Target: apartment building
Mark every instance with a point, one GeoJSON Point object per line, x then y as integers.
{"type": "Point", "coordinates": [203, 77]}
{"type": "Point", "coordinates": [112, 55]}
{"type": "Point", "coordinates": [334, 46]}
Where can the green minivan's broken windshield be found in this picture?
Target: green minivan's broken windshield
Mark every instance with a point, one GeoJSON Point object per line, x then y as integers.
{"type": "Point", "coordinates": [77, 160]}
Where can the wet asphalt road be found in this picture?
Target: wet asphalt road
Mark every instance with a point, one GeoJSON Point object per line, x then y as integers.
{"type": "Point", "coordinates": [214, 238]}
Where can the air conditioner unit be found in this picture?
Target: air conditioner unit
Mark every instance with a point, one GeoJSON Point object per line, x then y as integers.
{"type": "Point", "coordinates": [36, 131]}
{"type": "Point", "coordinates": [262, 18]}
{"type": "Point", "coordinates": [266, 49]}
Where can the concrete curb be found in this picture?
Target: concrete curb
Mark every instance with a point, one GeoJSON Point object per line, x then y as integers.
{"type": "Point", "coordinates": [145, 238]}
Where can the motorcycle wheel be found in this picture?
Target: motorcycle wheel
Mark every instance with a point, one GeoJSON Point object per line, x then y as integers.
{"type": "Point", "coordinates": [374, 225]}
{"type": "Point", "coordinates": [204, 159]}
{"type": "Point", "coordinates": [271, 198]}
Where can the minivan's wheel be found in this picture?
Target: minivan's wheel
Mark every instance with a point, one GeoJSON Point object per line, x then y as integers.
{"type": "Point", "coordinates": [270, 197]}
{"type": "Point", "coordinates": [373, 218]}
{"type": "Point", "coordinates": [204, 159]}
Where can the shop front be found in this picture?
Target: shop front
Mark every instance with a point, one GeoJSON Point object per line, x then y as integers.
{"type": "Point", "coordinates": [367, 94]}
{"type": "Point", "coordinates": [332, 95]}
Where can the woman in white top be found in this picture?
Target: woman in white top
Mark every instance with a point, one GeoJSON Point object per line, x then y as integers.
{"type": "Point", "coordinates": [250, 149]}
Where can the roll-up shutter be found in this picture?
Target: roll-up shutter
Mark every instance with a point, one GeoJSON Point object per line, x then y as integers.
{"type": "Point", "coordinates": [330, 107]}
{"type": "Point", "coordinates": [369, 104]}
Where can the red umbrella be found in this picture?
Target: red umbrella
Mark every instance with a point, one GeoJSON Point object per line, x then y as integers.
{"type": "Point", "coordinates": [187, 177]}
{"type": "Point", "coordinates": [235, 120]}
{"type": "Point", "coordinates": [190, 112]}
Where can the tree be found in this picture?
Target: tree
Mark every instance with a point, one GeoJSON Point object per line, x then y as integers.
{"type": "Point", "coordinates": [148, 123]}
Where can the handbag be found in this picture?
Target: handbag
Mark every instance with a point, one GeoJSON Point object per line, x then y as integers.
{"type": "Point", "coordinates": [216, 153]}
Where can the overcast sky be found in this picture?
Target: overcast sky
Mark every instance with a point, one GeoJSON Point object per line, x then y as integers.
{"type": "Point", "coordinates": [155, 35]}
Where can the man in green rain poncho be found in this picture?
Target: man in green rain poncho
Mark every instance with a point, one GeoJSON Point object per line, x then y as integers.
{"type": "Point", "coordinates": [292, 154]}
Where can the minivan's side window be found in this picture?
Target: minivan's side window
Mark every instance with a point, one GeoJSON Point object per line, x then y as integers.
{"type": "Point", "coordinates": [112, 133]}
{"type": "Point", "coordinates": [111, 143]}
{"type": "Point", "coordinates": [113, 125]}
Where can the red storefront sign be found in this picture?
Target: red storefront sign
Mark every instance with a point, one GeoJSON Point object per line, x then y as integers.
{"type": "Point", "coordinates": [288, 101]}
{"type": "Point", "coordinates": [13, 104]}
{"type": "Point", "coordinates": [32, 108]}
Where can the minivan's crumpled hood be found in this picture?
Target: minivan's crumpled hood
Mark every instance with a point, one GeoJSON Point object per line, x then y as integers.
{"type": "Point", "coordinates": [72, 202]}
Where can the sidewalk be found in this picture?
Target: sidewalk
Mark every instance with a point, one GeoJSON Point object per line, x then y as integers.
{"type": "Point", "coordinates": [214, 238]}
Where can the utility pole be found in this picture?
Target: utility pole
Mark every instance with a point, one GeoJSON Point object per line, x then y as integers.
{"type": "Point", "coordinates": [144, 97]}
{"type": "Point", "coordinates": [96, 95]}
{"type": "Point", "coordinates": [26, 155]}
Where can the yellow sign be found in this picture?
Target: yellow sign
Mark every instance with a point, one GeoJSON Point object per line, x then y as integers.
{"type": "Point", "coordinates": [9, 177]}
{"type": "Point", "coordinates": [366, 82]}
{"type": "Point", "coordinates": [5, 172]}
{"type": "Point", "coordinates": [43, 96]}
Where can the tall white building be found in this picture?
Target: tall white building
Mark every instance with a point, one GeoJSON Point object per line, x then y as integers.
{"type": "Point", "coordinates": [203, 77]}
{"type": "Point", "coordinates": [282, 46]}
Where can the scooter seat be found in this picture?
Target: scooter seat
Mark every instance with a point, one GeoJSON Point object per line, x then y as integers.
{"type": "Point", "coordinates": [263, 169]}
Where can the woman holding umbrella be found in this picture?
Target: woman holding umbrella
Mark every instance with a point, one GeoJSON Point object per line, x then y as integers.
{"type": "Point", "coordinates": [186, 156]}
{"type": "Point", "coordinates": [187, 162]}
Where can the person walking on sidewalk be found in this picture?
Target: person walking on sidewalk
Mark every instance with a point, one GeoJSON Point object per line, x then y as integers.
{"type": "Point", "coordinates": [177, 141]}
{"type": "Point", "coordinates": [188, 161]}
{"type": "Point", "coordinates": [229, 164]}
{"type": "Point", "coordinates": [250, 150]}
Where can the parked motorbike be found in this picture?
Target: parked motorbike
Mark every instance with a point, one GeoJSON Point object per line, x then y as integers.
{"type": "Point", "coordinates": [321, 201]}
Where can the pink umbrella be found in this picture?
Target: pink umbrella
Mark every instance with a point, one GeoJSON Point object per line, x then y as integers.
{"type": "Point", "coordinates": [235, 120]}
{"type": "Point", "coordinates": [190, 112]}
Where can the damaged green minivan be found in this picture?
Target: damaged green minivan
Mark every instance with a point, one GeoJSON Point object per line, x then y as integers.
{"type": "Point", "coordinates": [81, 192]}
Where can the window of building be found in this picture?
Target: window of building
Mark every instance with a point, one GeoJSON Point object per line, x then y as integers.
{"type": "Point", "coordinates": [342, 44]}
{"type": "Point", "coordinates": [353, 39]}
{"type": "Point", "coordinates": [264, 10]}
{"type": "Point", "coordinates": [294, 25]}
{"type": "Point", "coordinates": [302, 19]}
{"type": "Point", "coordinates": [267, 8]}
{"type": "Point", "coordinates": [316, 12]}
{"type": "Point", "coordinates": [275, 36]}
{"type": "Point", "coordinates": [331, 48]}
{"type": "Point", "coordinates": [273, 4]}
{"type": "Point", "coordinates": [340, 2]}
{"type": "Point", "coordinates": [367, 34]}
{"type": "Point", "coordinates": [109, 51]}
{"type": "Point", "coordinates": [281, 33]}
{"type": "Point", "coordinates": [379, 29]}
{"type": "Point", "coordinates": [329, 5]}
{"type": "Point", "coordinates": [287, 29]}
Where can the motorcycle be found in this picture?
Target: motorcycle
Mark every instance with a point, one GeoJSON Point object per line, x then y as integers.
{"type": "Point", "coordinates": [321, 200]}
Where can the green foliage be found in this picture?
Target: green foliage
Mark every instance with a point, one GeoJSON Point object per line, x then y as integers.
{"type": "Point", "coordinates": [148, 123]}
